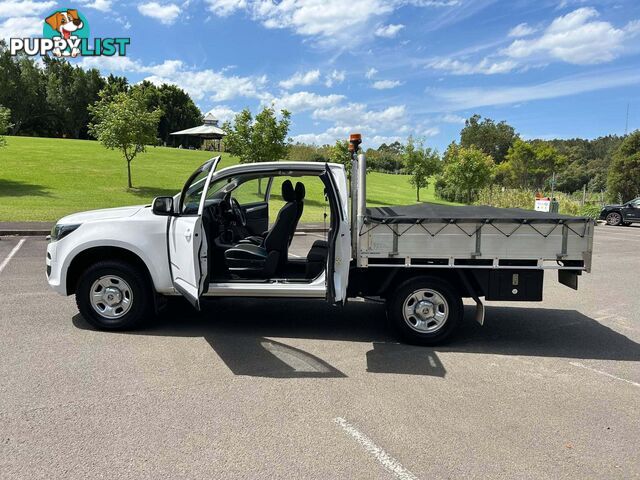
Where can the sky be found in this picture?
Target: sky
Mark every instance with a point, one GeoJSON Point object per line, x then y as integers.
{"type": "Point", "coordinates": [384, 68]}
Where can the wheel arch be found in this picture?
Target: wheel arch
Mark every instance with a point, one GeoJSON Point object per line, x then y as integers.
{"type": "Point", "coordinates": [91, 255]}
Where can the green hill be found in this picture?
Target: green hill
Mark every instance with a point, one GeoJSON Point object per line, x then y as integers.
{"type": "Point", "coordinates": [43, 179]}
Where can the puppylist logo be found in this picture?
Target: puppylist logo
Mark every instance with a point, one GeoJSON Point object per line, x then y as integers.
{"type": "Point", "coordinates": [66, 34]}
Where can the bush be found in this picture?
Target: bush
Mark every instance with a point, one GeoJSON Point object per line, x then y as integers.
{"type": "Point", "coordinates": [591, 211]}
{"type": "Point", "coordinates": [523, 198]}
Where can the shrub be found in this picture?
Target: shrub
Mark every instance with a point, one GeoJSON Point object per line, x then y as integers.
{"type": "Point", "coordinates": [591, 211]}
{"type": "Point", "coordinates": [523, 198]}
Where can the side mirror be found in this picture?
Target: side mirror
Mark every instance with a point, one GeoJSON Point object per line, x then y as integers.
{"type": "Point", "coordinates": [162, 206]}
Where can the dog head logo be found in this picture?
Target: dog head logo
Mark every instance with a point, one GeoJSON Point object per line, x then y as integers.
{"type": "Point", "coordinates": [69, 25]}
{"type": "Point", "coordinates": [65, 22]}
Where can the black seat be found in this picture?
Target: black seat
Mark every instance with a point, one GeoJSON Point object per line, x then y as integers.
{"type": "Point", "coordinates": [300, 193]}
{"type": "Point", "coordinates": [248, 259]}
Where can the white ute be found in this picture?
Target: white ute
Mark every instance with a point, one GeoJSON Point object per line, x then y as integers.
{"type": "Point", "coordinates": [212, 239]}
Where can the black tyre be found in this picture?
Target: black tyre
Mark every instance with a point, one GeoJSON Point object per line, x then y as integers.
{"type": "Point", "coordinates": [425, 310]}
{"type": "Point", "coordinates": [614, 219]}
{"type": "Point", "coordinates": [114, 295]}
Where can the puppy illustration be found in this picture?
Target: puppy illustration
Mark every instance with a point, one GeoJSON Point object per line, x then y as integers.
{"type": "Point", "coordinates": [65, 22]}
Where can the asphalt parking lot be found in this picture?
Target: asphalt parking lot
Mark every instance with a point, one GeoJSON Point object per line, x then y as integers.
{"type": "Point", "coordinates": [298, 389]}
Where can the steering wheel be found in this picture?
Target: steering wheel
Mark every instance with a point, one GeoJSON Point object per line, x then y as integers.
{"type": "Point", "coordinates": [237, 211]}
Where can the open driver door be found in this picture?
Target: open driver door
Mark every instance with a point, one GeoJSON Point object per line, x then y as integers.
{"type": "Point", "coordinates": [186, 236]}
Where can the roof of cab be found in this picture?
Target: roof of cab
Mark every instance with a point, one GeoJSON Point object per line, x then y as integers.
{"type": "Point", "coordinates": [275, 166]}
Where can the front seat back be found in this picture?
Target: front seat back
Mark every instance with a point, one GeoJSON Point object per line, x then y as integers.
{"type": "Point", "coordinates": [300, 194]}
{"type": "Point", "coordinates": [278, 237]}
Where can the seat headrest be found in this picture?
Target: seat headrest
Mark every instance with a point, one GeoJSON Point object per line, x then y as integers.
{"type": "Point", "coordinates": [288, 194]}
{"type": "Point", "coordinates": [300, 191]}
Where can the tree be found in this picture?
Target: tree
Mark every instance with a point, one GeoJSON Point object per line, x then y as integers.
{"type": "Point", "coordinates": [465, 170]}
{"type": "Point", "coordinates": [69, 92]}
{"type": "Point", "coordinates": [529, 164]}
{"type": "Point", "coordinates": [113, 86]}
{"type": "Point", "coordinates": [340, 153]}
{"type": "Point", "coordinates": [262, 140]}
{"type": "Point", "coordinates": [123, 123]}
{"type": "Point", "coordinates": [623, 180]}
{"type": "Point", "coordinates": [5, 116]}
{"type": "Point", "coordinates": [179, 112]}
{"type": "Point", "coordinates": [492, 138]}
{"type": "Point", "coordinates": [421, 163]}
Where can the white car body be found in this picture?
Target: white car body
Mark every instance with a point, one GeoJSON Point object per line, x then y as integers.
{"type": "Point", "coordinates": [420, 259]}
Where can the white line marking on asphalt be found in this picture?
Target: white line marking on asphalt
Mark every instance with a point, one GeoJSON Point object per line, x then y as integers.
{"type": "Point", "coordinates": [578, 364]}
{"type": "Point", "coordinates": [6, 261]}
{"type": "Point", "coordinates": [383, 457]}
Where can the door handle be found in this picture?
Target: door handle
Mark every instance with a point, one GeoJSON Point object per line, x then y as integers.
{"type": "Point", "coordinates": [187, 234]}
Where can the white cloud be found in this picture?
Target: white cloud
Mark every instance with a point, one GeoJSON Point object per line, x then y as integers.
{"type": "Point", "coordinates": [322, 18]}
{"type": "Point", "coordinates": [335, 78]}
{"type": "Point", "coordinates": [224, 8]}
{"type": "Point", "coordinates": [332, 21]}
{"type": "Point", "coordinates": [375, 125]}
{"type": "Point", "coordinates": [522, 30]}
{"type": "Point", "coordinates": [435, 3]}
{"type": "Point", "coordinates": [370, 73]}
{"type": "Point", "coordinates": [300, 78]}
{"type": "Point", "coordinates": [223, 113]}
{"type": "Point", "coordinates": [389, 31]}
{"type": "Point", "coordinates": [429, 132]}
{"type": "Point", "coordinates": [23, 18]}
{"type": "Point", "coordinates": [386, 84]}
{"type": "Point", "coordinates": [324, 138]}
{"type": "Point", "coordinates": [358, 114]}
{"type": "Point", "coordinates": [467, 98]}
{"type": "Point", "coordinates": [24, 8]}
{"type": "Point", "coordinates": [21, 27]}
{"type": "Point", "coordinates": [304, 101]}
{"type": "Point", "coordinates": [165, 69]}
{"type": "Point", "coordinates": [577, 38]}
{"type": "Point", "coordinates": [106, 64]}
{"type": "Point", "coordinates": [484, 66]}
{"type": "Point", "coordinates": [451, 118]}
{"type": "Point", "coordinates": [199, 84]}
{"type": "Point", "coordinates": [166, 14]}
{"type": "Point", "coordinates": [100, 5]}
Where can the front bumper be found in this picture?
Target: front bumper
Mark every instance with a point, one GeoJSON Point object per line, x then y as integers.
{"type": "Point", "coordinates": [54, 271]}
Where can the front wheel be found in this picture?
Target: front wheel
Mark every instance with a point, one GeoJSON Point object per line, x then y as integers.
{"type": "Point", "coordinates": [425, 310]}
{"type": "Point", "coordinates": [614, 219]}
{"type": "Point", "coordinates": [114, 295]}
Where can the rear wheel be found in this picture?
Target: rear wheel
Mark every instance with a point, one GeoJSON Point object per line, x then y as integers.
{"type": "Point", "coordinates": [614, 219]}
{"type": "Point", "coordinates": [114, 295]}
{"type": "Point", "coordinates": [425, 310]}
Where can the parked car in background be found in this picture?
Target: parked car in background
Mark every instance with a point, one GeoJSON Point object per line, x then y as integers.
{"type": "Point", "coordinates": [625, 214]}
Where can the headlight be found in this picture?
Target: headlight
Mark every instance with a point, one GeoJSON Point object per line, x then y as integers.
{"type": "Point", "coordinates": [60, 231]}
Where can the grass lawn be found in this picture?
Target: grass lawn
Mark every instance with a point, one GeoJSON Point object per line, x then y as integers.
{"type": "Point", "coordinates": [43, 179]}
